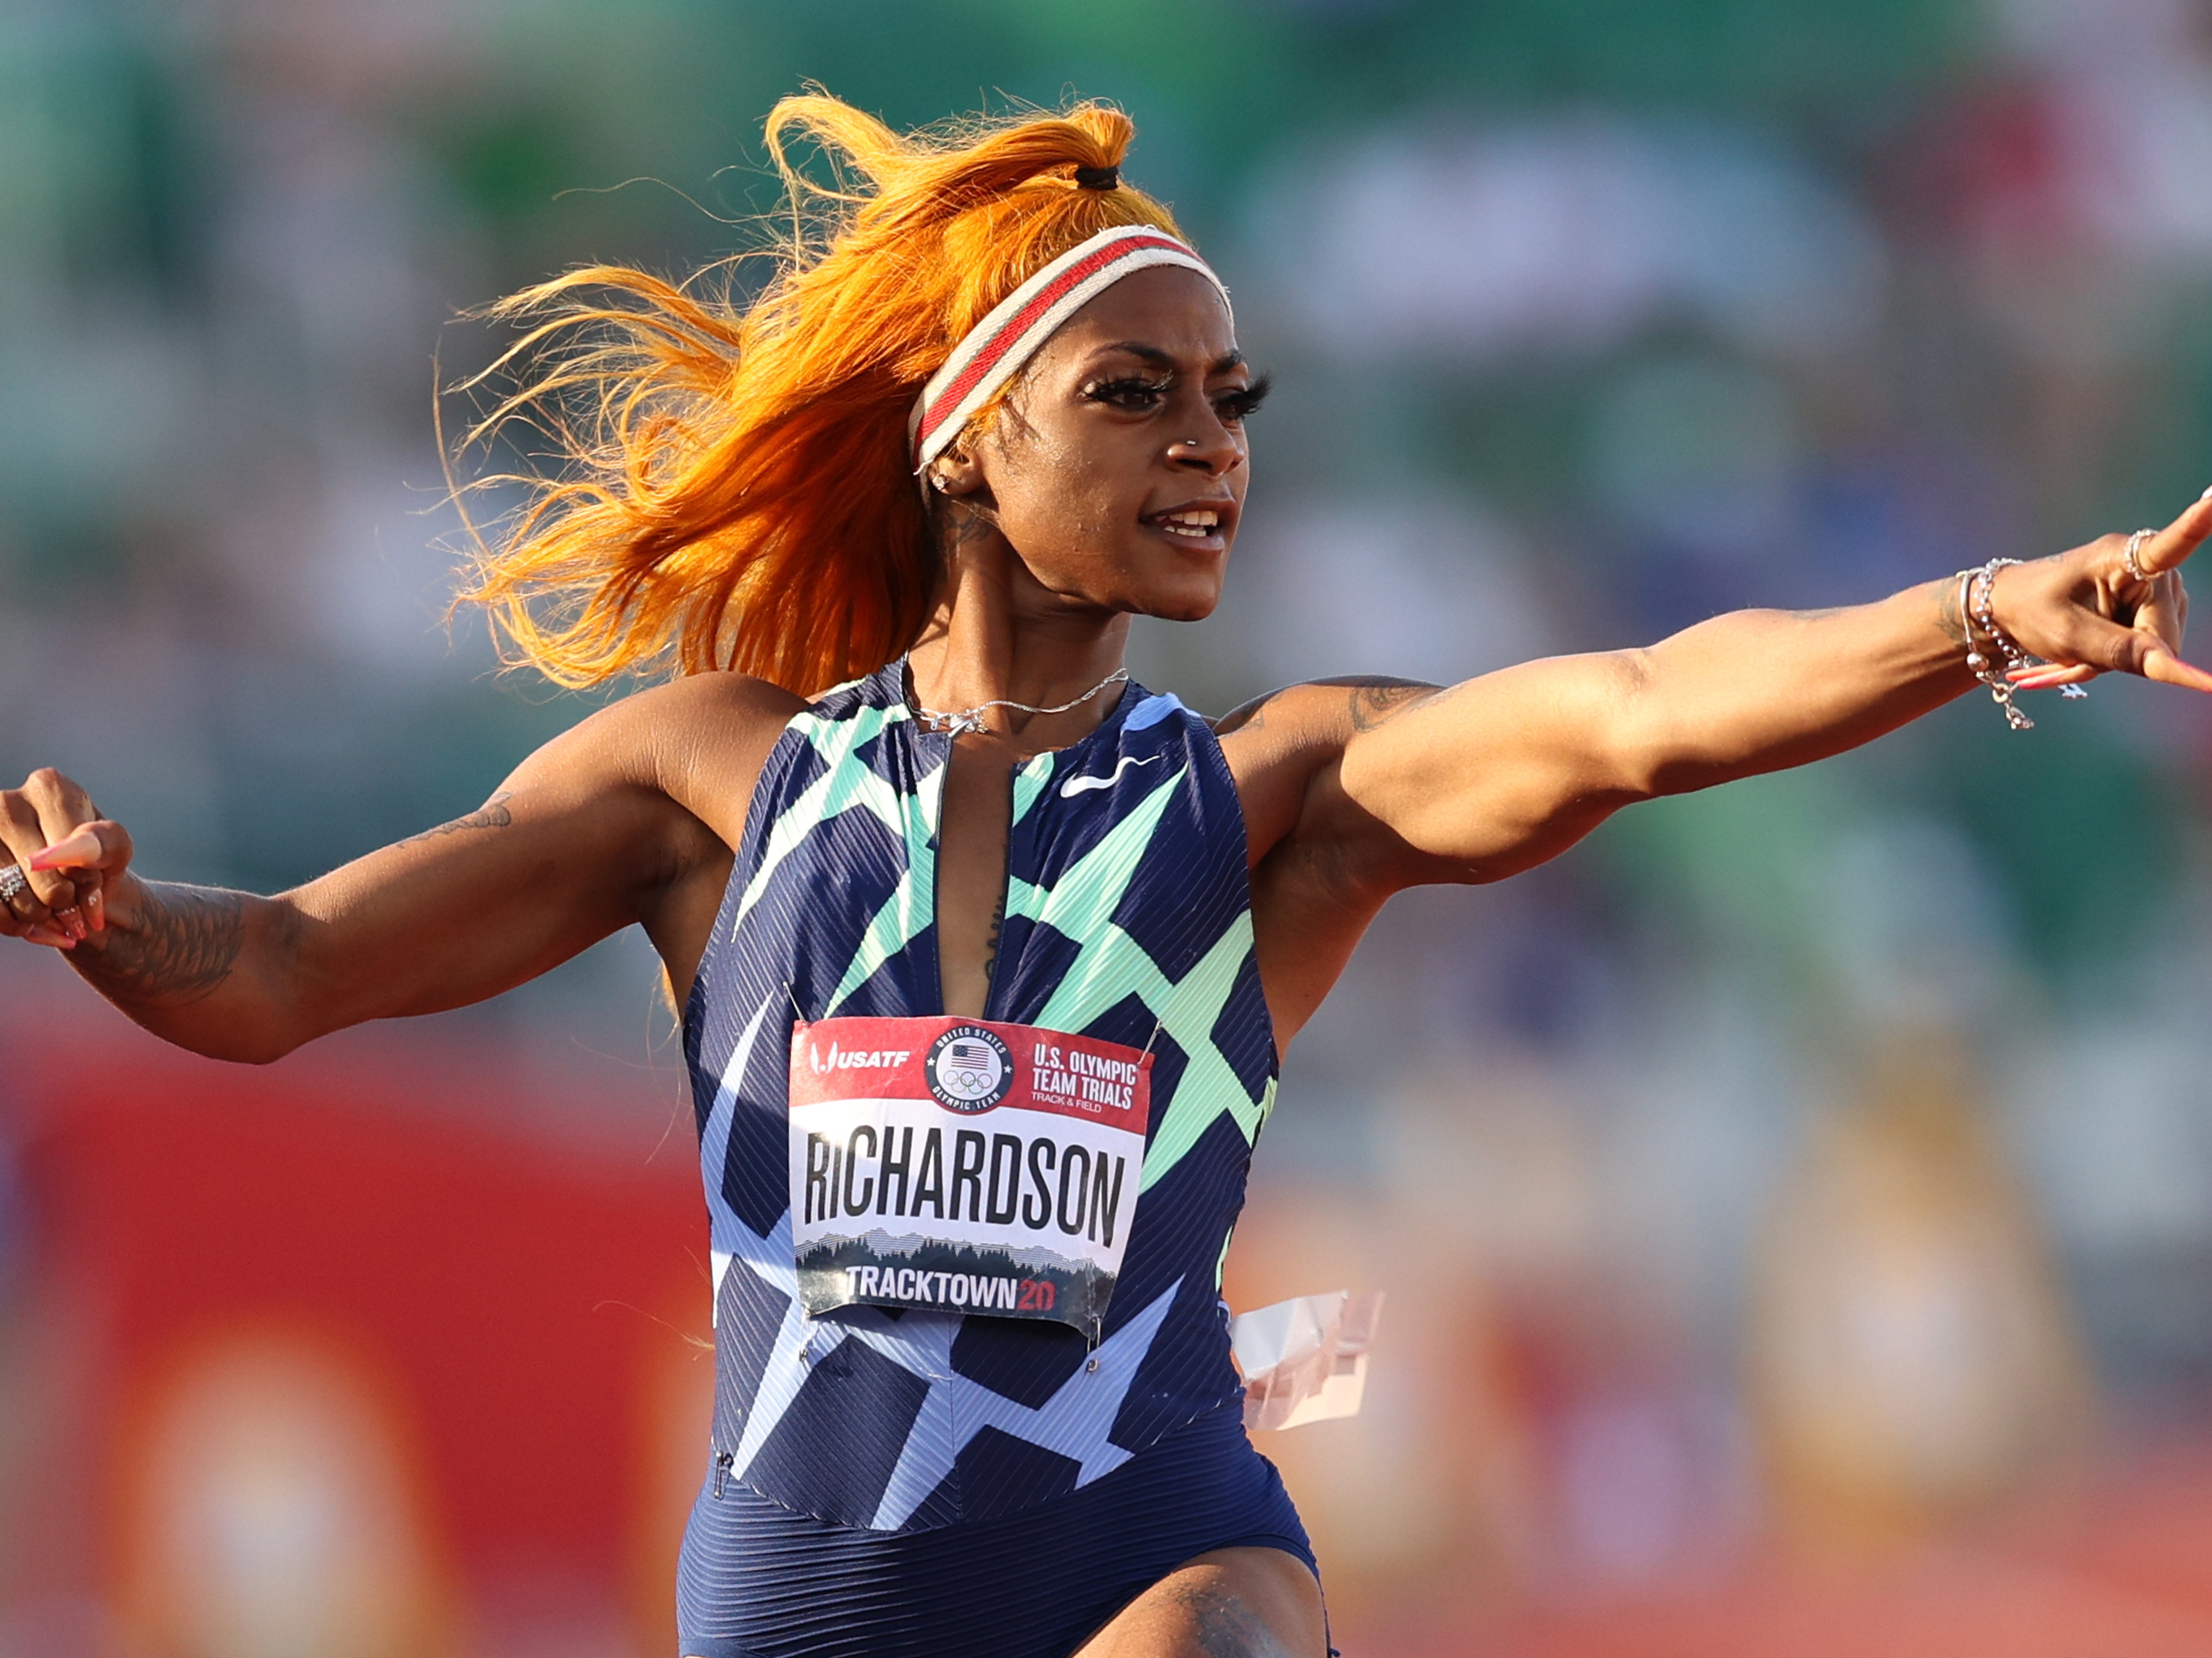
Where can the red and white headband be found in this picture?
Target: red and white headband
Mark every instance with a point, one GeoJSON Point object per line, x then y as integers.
{"type": "Point", "coordinates": [993, 351]}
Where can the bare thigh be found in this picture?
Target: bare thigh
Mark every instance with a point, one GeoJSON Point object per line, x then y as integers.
{"type": "Point", "coordinates": [1232, 1603]}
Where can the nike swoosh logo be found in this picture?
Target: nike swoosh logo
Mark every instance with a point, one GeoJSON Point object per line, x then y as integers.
{"type": "Point", "coordinates": [1075, 785]}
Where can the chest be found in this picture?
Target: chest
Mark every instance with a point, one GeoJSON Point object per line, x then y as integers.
{"type": "Point", "coordinates": [974, 821]}
{"type": "Point", "coordinates": [889, 871]}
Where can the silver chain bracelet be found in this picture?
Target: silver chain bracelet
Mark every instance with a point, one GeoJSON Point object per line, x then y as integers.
{"type": "Point", "coordinates": [1976, 587]}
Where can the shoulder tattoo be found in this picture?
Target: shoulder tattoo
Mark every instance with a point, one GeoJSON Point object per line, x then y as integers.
{"type": "Point", "coordinates": [1374, 701]}
{"type": "Point", "coordinates": [1371, 699]}
{"type": "Point", "coordinates": [1246, 716]}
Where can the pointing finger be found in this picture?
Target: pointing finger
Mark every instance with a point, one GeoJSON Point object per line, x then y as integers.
{"type": "Point", "coordinates": [2171, 547]}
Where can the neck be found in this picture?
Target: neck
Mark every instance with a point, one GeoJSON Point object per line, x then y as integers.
{"type": "Point", "coordinates": [998, 634]}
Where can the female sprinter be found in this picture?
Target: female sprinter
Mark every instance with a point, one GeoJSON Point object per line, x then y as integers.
{"type": "Point", "coordinates": [986, 955]}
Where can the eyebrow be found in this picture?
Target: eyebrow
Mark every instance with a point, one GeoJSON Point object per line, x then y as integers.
{"type": "Point", "coordinates": [1159, 359]}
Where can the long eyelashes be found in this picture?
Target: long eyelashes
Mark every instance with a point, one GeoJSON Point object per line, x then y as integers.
{"type": "Point", "coordinates": [1240, 405]}
{"type": "Point", "coordinates": [1136, 392]}
{"type": "Point", "coordinates": [1131, 390]}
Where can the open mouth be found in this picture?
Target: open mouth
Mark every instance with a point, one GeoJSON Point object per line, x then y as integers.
{"type": "Point", "coordinates": [1189, 523]}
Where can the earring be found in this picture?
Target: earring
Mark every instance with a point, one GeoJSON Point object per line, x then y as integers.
{"type": "Point", "coordinates": [937, 480]}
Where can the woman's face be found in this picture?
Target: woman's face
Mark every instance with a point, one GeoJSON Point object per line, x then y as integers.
{"type": "Point", "coordinates": [1116, 468]}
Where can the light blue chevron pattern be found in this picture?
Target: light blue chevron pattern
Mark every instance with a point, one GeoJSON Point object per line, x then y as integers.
{"type": "Point", "coordinates": [1153, 810]}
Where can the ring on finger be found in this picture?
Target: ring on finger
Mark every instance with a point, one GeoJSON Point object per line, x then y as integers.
{"type": "Point", "coordinates": [2131, 556]}
{"type": "Point", "coordinates": [14, 883]}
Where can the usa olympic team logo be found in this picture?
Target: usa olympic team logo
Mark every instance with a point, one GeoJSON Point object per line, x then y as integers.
{"type": "Point", "coordinates": [969, 1069]}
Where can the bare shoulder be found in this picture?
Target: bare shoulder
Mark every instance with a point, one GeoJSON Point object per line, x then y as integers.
{"type": "Point", "coordinates": [1320, 869]}
{"type": "Point", "coordinates": [714, 706]}
{"type": "Point", "coordinates": [709, 736]}
{"type": "Point", "coordinates": [1281, 745]}
{"type": "Point", "coordinates": [699, 741]}
{"type": "Point", "coordinates": [692, 719]}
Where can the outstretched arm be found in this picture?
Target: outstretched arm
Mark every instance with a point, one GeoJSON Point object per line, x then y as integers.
{"type": "Point", "coordinates": [592, 832]}
{"type": "Point", "coordinates": [1490, 777]}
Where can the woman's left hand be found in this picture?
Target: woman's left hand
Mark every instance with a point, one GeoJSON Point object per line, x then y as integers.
{"type": "Point", "coordinates": [2085, 614]}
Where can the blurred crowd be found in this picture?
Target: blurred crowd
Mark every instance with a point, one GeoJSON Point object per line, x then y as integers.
{"type": "Point", "coordinates": [1817, 1169]}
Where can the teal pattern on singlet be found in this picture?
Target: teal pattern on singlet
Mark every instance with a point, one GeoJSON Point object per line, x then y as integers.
{"type": "Point", "coordinates": [1128, 918]}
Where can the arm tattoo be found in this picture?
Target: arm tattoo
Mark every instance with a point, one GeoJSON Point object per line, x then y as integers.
{"type": "Point", "coordinates": [1948, 616]}
{"type": "Point", "coordinates": [184, 947]}
{"type": "Point", "coordinates": [493, 814]}
{"type": "Point", "coordinates": [1224, 1625]}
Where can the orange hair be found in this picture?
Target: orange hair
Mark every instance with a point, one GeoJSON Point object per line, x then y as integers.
{"type": "Point", "coordinates": [733, 489]}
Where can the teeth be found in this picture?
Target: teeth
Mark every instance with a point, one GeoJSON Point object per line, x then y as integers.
{"type": "Point", "coordinates": [1197, 524]}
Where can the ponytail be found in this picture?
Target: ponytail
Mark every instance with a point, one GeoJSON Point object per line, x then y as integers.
{"type": "Point", "coordinates": [731, 488]}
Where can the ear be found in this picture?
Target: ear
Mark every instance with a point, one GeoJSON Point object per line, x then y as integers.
{"type": "Point", "coordinates": [955, 473]}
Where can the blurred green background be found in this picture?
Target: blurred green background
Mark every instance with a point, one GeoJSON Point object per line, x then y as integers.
{"type": "Point", "coordinates": [1588, 320]}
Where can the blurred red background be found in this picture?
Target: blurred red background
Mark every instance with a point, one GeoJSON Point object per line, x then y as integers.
{"type": "Point", "coordinates": [332, 1366]}
{"type": "Point", "coordinates": [349, 1357]}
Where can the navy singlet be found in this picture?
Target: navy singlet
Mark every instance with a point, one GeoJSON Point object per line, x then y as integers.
{"type": "Point", "coordinates": [915, 1484]}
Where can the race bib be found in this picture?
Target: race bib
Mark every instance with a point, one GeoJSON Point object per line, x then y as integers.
{"type": "Point", "coordinates": [962, 1166]}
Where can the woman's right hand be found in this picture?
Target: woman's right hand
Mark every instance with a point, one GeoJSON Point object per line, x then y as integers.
{"type": "Point", "coordinates": [626, 818]}
{"type": "Point", "coordinates": [72, 859]}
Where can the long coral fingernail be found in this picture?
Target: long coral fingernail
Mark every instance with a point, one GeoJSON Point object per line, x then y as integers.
{"type": "Point", "coordinates": [77, 850]}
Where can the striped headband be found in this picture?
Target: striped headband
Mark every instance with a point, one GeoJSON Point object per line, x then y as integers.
{"type": "Point", "coordinates": [992, 352]}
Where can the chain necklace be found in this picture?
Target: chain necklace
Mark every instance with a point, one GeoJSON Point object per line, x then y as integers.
{"type": "Point", "coordinates": [958, 722]}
